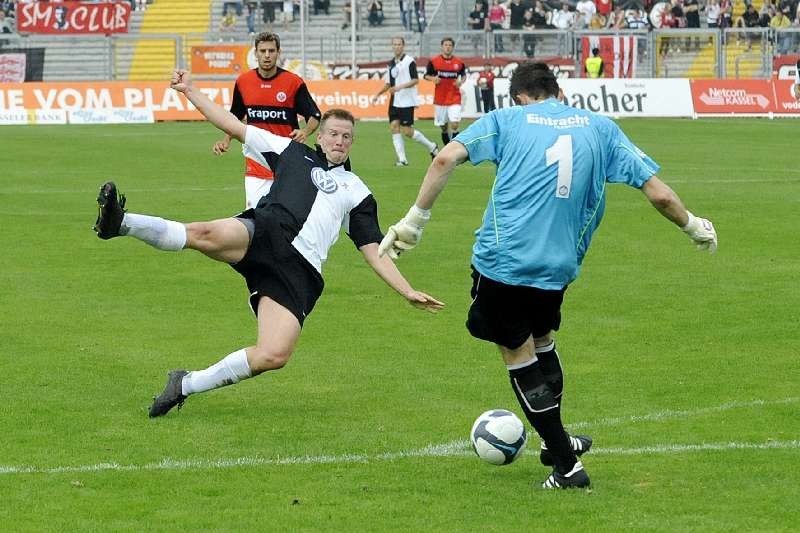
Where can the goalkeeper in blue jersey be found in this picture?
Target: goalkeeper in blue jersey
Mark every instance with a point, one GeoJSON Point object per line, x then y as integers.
{"type": "Point", "coordinates": [553, 164]}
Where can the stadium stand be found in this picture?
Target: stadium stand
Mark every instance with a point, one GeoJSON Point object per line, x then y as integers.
{"type": "Point", "coordinates": [740, 62]}
{"type": "Point", "coordinates": [326, 39]}
{"type": "Point", "coordinates": [153, 59]}
{"type": "Point", "coordinates": [702, 63]}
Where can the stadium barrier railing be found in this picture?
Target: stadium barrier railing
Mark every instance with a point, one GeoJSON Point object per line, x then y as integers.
{"type": "Point", "coordinates": [729, 53]}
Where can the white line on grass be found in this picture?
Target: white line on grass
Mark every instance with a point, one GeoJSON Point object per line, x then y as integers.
{"type": "Point", "coordinates": [667, 414]}
{"type": "Point", "coordinates": [453, 449]}
{"type": "Point", "coordinates": [457, 448]}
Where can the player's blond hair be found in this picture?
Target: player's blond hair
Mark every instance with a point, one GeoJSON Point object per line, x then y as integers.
{"type": "Point", "coordinates": [341, 114]}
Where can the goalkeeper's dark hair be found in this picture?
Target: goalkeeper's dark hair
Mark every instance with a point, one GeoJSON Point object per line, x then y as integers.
{"type": "Point", "coordinates": [534, 79]}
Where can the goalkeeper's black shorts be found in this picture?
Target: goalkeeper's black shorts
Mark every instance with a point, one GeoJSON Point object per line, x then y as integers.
{"type": "Point", "coordinates": [508, 314]}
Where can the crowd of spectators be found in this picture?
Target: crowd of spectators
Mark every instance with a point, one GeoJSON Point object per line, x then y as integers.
{"type": "Point", "coordinates": [412, 12]}
{"type": "Point", "coordinates": [7, 20]}
{"type": "Point", "coordinates": [524, 15]}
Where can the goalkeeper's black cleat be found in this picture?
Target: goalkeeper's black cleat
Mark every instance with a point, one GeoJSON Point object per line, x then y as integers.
{"type": "Point", "coordinates": [110, 210]}
{"type": "Point", "coordinates": [577, 478]}
{"type": "Point", "coordinates": [171, 396]}
{"type": "Point", "coordinates": [580, 445]}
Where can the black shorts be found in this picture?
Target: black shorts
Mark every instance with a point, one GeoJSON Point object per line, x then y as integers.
{"type": "Point", "coordinates": [404, 114]}
{"type": "Point", "coordinates": [508, 314]}
{"type": "Point", "coordinates": [273, 267]}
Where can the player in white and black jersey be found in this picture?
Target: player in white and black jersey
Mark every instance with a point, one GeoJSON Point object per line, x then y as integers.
{"type": "Point", "coordinates": [796, 86]}
{"type": "Point", "coordinates": [279, 247]}
{"type": "Point", "coordinates": [401, 83]}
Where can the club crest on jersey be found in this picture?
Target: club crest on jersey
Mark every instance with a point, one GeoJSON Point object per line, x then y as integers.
{"type": "Point", "coordinates": [281, 96]}
{"type": "Point", "coordinates": [322, 181]}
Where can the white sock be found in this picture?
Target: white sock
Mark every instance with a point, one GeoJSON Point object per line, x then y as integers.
{"type": "Point", "coordinates": [517, 366]}
{"type": "Point", "coordinates": [157, 232]}
{"type": "Point", "coordinates": [424, 141]}
{"type": "Point", "coordinates": [399, 146]}
{"type": "Point", "coordinates": [232, 369]}
{"type": "Point", "coordinates": [546, 348]}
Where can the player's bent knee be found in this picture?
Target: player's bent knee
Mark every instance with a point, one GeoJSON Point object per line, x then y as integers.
{"type": "Point", "coordinates": [264, 359]}
{"type": "Point", "coordinates": [200, 236]}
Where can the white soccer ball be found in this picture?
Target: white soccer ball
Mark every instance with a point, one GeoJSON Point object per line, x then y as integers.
{"type": "Point", "coordinates": [498, 437]}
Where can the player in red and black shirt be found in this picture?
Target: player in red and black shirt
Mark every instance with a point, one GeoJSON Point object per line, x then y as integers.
{"type": "Point", "coordinates": [270, 98]}
{"type": "Point", "coordinates": [447, 72]}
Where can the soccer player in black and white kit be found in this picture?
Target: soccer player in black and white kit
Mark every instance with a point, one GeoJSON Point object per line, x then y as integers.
{"type": "Point", "coordinates": [796, 86]}
{"type": "Point", "coordinates": [401, 83]}
{"type": "Point", "coordinates": [279, 247]}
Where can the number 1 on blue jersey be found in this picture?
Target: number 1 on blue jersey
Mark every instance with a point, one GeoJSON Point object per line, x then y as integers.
{"type": "Point", "coordinates": [561, 153]}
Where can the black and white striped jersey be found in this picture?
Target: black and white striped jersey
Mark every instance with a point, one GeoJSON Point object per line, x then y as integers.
{"type": "Point", "coordinates": [315, 201]}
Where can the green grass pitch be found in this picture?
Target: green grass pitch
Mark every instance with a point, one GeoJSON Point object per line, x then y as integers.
{"type": "Point", "coordinates": [683, 366]}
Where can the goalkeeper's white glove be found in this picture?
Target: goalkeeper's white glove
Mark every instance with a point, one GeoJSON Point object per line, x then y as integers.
{"type": "Point", "coordinates": [702, 232]}
{"type": "Point", "coordinates": [406, 233]}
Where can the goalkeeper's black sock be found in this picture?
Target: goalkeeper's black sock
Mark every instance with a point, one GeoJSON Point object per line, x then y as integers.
{"type": "Point", "coordinates": [445, 138]}
{"type": "Point", "coordinates": [542, 411]}
{"type": "Point", "coordinates": [550, 364]}
{"type": "Point", "coordinates": [453, 134]}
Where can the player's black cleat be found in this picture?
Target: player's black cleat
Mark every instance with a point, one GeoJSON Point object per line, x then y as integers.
{"type": "Point", "coordinates": [577, 478]}
{"type": "Point", "coordinates": [580, 445]}
{"type": "Point", "coordinates": [434, 152]}
{"type": "Point", "coordinates": [171, 396]}
{"type": "Point", "coordinates": [110, 210]}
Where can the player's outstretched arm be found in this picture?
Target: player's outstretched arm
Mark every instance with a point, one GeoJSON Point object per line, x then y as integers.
{"type": "Point", "coordinates": [220, 117]}
{"type": "Point", "coordinates": [387, 270]}
{"type": "Point", "coordinates": [664, 199]}
{"type": "Point", "coordinates": [408, 231]}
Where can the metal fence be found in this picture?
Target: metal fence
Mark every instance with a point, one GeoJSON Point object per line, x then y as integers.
{"type": "Point", "coordinates": [700, 53]}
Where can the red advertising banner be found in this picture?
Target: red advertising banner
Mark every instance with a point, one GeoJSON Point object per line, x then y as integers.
{"type": "Point", "coordinates": [73, 17]}
{"type": "Point", "coordinates": [12, 68]}
{"type": "Point", "coordinates": [733, 96]}
{"type": "Point", "coordinates": [787, 96]}
{"type": "Point", "coordinates": [618, 53]}
{"type": "Point", "coordinates": [220, 59]}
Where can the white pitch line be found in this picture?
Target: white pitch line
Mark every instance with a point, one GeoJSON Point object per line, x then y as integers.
{"type": "Point", "coordinates": [453, 449]}
{"type": "Point", "coordinates": [459, 448]}
{"type": "Point", "coordinates": [705, 447]}
{"type": "Point", "coordinates": [668, 414]}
